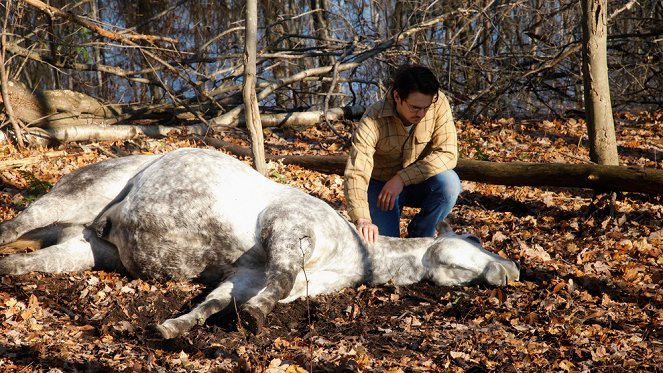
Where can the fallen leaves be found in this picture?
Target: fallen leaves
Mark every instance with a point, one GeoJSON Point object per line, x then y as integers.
{"type": "Point", "coordinates": [589, 299]}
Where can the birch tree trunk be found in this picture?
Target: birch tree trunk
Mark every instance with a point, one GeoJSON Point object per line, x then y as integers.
{"type": "Point", "coordinates": [600, 124]}
{"type": "Point", "coordinates": [251, 109]}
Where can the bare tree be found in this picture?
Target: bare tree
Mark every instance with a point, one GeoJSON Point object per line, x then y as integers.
{"type": "Point", "coordinates": [251, 109]}
{"type": "Point", "coordinates": [601, 127]}
{"type": "Point", "coordinates": [4, 79]}
{"type": "Point", "coordinates": [496, 58]}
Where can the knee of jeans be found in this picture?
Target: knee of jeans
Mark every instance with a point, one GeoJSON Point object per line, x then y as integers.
{"type": "Point", "coordinates": [447, 183]}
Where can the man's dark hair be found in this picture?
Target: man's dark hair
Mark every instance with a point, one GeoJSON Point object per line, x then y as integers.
{"type": "Point", "coordinates": [415, 78]}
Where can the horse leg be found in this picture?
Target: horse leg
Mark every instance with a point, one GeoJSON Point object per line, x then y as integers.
{"type": "Point", "coordinates": [78, 250]}
{"type": "Point", "coordinates": [236, 289]}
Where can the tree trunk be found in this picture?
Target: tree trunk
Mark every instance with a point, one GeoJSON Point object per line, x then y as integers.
{"type": "Point", "coordinates": [4, 80]}
{"type": "Point", "coordinates": [272, 11]}
{"type": "Point", "coordinates": [627, 179]}
{"type": "Point", "coordinates": [321, 27]}
{"type": "Point", "coordinates": [96, 50]}
{"type": "Point", "coordinates": [251, 109]}
{"type": "Point", "coordinates": [601, 127]}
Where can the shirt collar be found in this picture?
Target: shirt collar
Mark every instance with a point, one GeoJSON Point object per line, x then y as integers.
{"type": "Point", "coordinates": [388, 106]}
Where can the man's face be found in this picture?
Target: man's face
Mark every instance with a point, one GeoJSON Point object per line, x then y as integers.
{"type": "Point", "coordinates": [413, 109]}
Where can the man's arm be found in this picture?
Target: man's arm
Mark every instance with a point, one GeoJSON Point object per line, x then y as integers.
{"type": "Point", "coordinates": [357, 176]}
{"type": "Point", "coordinates": [358, 170]}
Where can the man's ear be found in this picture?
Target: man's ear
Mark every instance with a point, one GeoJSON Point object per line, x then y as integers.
{"type": "Point", "coordinates": [395, 95]}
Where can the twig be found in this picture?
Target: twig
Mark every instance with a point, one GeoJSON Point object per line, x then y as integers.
{"type": "Point", "coordinates": [113, 70]}
{"type": "Point", "coordinates": [325, 119]}
{"type": "Point", "coordinates": [654, 145]}
{"type": "Point", "coordinates": [128, 40]}
{"type": "Point", "coordinates": [576, 158]}
{"type": "Point", "coordinates": [232, 116]}
{"type": "Point", "coordinates": [13, 163]}
{"type": "Point", "coordinates": [308, 304]}
{"type": "Point", "coordinates": [101, 149]}
{"type": "Point", "coordinates": [55, 12]}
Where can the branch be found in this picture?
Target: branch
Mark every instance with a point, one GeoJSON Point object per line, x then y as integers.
{"type": "Point", "coordinates": [231, 118]}
{"type": "Point", "coordinates": [127, 39]}
{"type": "Point", "coordinates": [55, 12]}
{"type": "Point", "coordinates": [44, 58]}
{"type": "Point", "coordinates": [311, 117]}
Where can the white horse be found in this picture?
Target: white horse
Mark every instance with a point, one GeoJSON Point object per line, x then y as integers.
{"type": "Point", "coordinates": [200, 214]}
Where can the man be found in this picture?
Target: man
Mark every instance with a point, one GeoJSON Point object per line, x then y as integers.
{"type": "Point", "coordinates": [403, 154]}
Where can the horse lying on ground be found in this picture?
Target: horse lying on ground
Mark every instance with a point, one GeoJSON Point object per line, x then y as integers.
{"type": "Point", "coordinates": [201, 214]}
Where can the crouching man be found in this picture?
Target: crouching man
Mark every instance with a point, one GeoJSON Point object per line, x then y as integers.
{"type": "Point", "coordinates": [403, 154]}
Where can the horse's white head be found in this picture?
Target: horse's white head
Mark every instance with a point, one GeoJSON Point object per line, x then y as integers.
{"type": "Point", "coordinates": [456, 258]}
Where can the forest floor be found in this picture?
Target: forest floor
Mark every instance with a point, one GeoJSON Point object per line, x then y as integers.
{"type": "Point", "coordinates": [589, 298]}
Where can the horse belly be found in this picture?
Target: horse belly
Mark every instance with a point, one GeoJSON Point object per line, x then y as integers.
{"type": "Point", "coordinates": [164, 241]}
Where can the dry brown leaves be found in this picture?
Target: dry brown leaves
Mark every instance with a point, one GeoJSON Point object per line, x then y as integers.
{"type": "Point", "coordinates": [590, 296]}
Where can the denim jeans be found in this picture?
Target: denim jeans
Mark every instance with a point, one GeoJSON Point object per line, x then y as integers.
{"type": "Point", "coordinates": [435, 197]}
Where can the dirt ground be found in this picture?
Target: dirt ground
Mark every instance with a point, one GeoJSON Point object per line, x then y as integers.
{"type": "Point", "coordinates": [590, 296]}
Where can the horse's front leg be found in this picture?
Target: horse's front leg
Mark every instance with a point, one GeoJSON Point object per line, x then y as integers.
{"type": "Point", "coordinates": [235, 290]}
{"type": "Point", "coordinates": [287, 248]}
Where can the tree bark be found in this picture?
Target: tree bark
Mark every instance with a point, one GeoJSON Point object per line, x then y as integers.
{"type": "Point", "coordinates": [600, 124]}
{"type": "Point", "coordinates": [321, 29]}
{"type": "Point", "coordinates": [590, 176]}
{"type": "Point", "coordinates": [251, 109]}
{"type": "Point", "coordinates": [4, 81]}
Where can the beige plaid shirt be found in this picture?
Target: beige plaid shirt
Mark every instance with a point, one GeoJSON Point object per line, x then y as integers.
{"type": "Point", "coordinates": [382, 148]}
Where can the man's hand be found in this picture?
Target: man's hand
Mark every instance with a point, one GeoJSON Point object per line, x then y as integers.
{"type": "Point", "coordinates": [390, 192]}
{"type": "Point", "coordinates": [367, 230]}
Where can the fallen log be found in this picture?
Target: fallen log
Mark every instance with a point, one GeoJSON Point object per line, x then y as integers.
{"type": "Point", "coordinates": [64, 107]}
{"type": "Point", "coordinates": [590, 176]}
{"type": "Point", "coordinates": [105, 132]}
{"type": "Point", "coordinates": [41, 108]}
{"type": "Point", "coordinates": [310, 117]}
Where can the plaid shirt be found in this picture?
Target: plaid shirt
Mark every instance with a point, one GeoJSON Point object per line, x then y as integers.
{"type": "Point", "coordinates": [382, 148]}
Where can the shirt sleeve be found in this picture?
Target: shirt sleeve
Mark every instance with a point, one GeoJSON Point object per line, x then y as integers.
{"type": "Point", "coordinates": [359, 168]}
{"type": "Point", "coordinates": [441, 153]}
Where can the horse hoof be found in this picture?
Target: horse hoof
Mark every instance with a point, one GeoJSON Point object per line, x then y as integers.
{"type": "Point", "coordinates": [251, 319]}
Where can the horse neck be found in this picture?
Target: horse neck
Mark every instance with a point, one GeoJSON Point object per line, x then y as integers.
{"type": "Point", "coordinates": [398, 260]}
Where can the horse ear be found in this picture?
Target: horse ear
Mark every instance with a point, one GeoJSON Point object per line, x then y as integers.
{"type": "Point", "coordinates": [474, 238]}
{"type": "Point", "coordinates": [444, 229]}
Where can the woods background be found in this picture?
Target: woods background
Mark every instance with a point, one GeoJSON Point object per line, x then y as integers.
{"type": "Point", "coordinates": [494, 58]}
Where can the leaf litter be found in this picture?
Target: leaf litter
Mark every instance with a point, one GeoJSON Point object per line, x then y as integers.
{"type": "Point", "coordinates": [589, 298]}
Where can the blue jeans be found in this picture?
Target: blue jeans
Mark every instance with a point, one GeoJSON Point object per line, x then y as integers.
{"type": "Point", "coordinates": [435, 197]}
